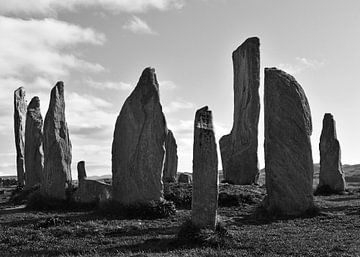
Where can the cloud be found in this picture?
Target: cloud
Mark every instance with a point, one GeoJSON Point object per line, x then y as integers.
{"type": "Point", "coordinates": [167, 85]}
{"type": "Point", "coordinates": [52, 7]}
{"type": "Point", "coordinates": [42, 47]}
{"type": "Point", "coordinates": [177, 106]}
{"type": "Point", "coordinates": [112, 85]}
{"type": "Point", "coordinates": [138, 26]}
{"type": "Point", "coordinates": [300, 65]}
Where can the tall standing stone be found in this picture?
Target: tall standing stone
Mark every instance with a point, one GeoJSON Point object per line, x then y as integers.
{"type": "Point", "coordinates": [34, 155]}
{"type": "Point", "coordinates": [57, 147]}
{"type": "Point", "coordinates": [239, 148]}
{"type": "Point", "coordinates": [171, 158]}
{"type": "Point", "coordinates": [288, 157]}
{"type": "Point", "coordinates": [331, 175]}
{"type": "Point", "coordinates": [205, 172]}
{"type": "Point", "coordinates": [19, 129]}
{"type": "Point", "coordinates": [138, 149]}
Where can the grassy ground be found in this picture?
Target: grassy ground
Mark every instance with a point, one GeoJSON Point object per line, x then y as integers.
{"type": "Point", "coordinates": [335, 231]}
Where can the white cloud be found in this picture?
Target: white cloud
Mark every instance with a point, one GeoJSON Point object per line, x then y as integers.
{"type": "Point", "coordinates": [52, 7]}
{"type": "Point", "coordinates": [177, 106]}
{"type": "Point", "coordinates": [138, 26]}
{"type": "Point", "coordinates": [167, 85]}
{"type": "Point", "coordinates": [31, 47]}
{"type": "Point", "coordinates": [112, 85]}
{"type": "Point", "coordinates": [300, 65]}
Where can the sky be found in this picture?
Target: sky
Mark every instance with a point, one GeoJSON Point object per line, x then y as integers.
{"type": "Point", "coordinates": [100, 47]}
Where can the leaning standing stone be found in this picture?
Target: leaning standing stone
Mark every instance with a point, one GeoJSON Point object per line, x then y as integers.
{"type": "Point", "coordinates": [332, 176]}
{"type": "Point", "coordinates": [288, 157]}
{"type": "Point", "coordinates": [138, 149]}
{"type": "Point", "coordinates": [171, 158]}
{"type": "Point", "coordinates": [57, 147]}
{"type": "Point", "coordinates": [34, 156]}
{"type": "Point", "coordinates": [19, 129]}
{"type": "Point", "coordinates": [239, 148]}
{"type": "Point", "coordinates": [205, 172]}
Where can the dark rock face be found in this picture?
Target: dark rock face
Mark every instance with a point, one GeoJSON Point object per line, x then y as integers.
{"type": "Point", "coordinates": [239, 148]}
{"type": "Point", "coordinates": [19, 129]}
{"type": "Point", "coordinates": [331, 175]}
{"type": "Point", "coordinates": [34, 155]}
{"type": "Point", "coordinates": [205, 172]}
{"type": "Point", "coordinates": [288, 157]}
{"type": "Point", "coordinates": [185, 178]}
{"type": "Point", "coordinates": [57, 147]}
{"type": "Point", "coordinates": [138, 149]}
{"type": "Point", "coordinates": [90, 191]}
{"type": "Point", "coordinates": [171, 158]}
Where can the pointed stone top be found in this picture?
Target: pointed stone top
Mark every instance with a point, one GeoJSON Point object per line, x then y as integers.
{"type": "Point", "coordinates": [203, 118]}
{"type": "Point", "coordinates": [328, 116]}
{"type": "Point", "coordinates": [148, 77]}
{"type": "Point", "coordinates": [20, 92]}
{"type": "Point", "coordinates": [34, 103]}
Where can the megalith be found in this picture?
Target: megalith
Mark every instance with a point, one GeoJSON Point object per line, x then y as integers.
{"type": "Point", "coordinates": [19, 129]}
{"type": "Point", "coordinates": [90, 191]}
{"type": "Point", "coordinates": [239, 148]}
{"type": "Point", "coordinates": [332, 176]}
{"type": "Point", "coordinates": [171, 158]}
{"type": "Point", "coordinates": [288, 156]}
{"type": "Point", "coordinates": [57, 147]}
{"type": "Point", "coordinates": [205, 172]}
{"type": "Point", "coordinates": [138, 148]}
{"type": "Point", "coordinates": [34, 155]}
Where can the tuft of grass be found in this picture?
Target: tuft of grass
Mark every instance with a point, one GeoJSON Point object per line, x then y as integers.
{"type": "Point", "coordinates": [150, 210]}
{"type": "Point", "coordinates": [191, 235]}
{"type": "Point", "coordinates": [180, 194]}
{"type": "Point", "coordinates": [21, 195]}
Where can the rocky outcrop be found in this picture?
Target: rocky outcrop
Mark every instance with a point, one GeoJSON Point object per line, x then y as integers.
{"type": "Point", "coordinates": [239, 148]}
{"type": "Point", "coordinates": [171, 158]}
{"type": "Point", "coordinates": [185, 178]}
{"type": "Point", "coordinates": [205, 172]}
{"type": "Point", "coordinates": [19, 129]}
{"type": "Point", "coordinates": [34, 155]}
{"type": "Point", "coordinates": [90, 191]}
{"type": "Point", "coordinates": [288, 157]}
{"type": "Point", "coordinates": [57, 147]}
{"type": "Point", "coordinates": [138, 149]}
{"type": "Point", "coordinates": [332, 176]}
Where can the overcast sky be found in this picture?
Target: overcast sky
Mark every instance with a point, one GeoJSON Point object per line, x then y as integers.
{"type": "Point", "coordinates": [100, 47]}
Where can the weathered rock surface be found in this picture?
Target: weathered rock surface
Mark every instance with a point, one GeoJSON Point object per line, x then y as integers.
{"type": "Point", "coordinates": [34, 155]}
{"type": "Point", "coordinates": [171, 158]}
{"type": "Point", "coordinates": [331, 174]}
{"type": "Point", "coordinates": [19, 129]}
{"type": "Point", "coordinates": [239, 148]}
{"type": "Point", "coordinates": [138, 149]}
{"type": "Point", "coordinates": [288, 156]}
{"type": "Point", "coordinates": [90, 191]}
{"type": "Point", "coordinates": [185, 178]}
{"type": "Point", "coordinates": [205, 172]}
{"type": "Point", "coordinates": [57, 147]}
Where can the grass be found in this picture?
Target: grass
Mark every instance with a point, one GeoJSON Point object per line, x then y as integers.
{"type": "Point", "coordinates": [333, 231]}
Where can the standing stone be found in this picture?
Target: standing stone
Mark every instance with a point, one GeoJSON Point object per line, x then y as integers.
{"type": "Point", "coordinates": [19, 129]}
{"type": "Point", "coordinates": [205, 172]}
{"type": "Point", "coordinates": [34, 156]}
{"type": "Point", "coordinates": [331, 175]}
{"type": "Point", "coordinates": [288, 158]}
{"type": "Point", "coordinates": [239, 148]}
{"type": "Point", "coordinates": [57, 147]}
{"type": "Point", "coordinates": [171, 158]}
{"type": "Point", "coordinates": [138, 149]}
{"type": "Point", "coordinates": [90, 191]}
